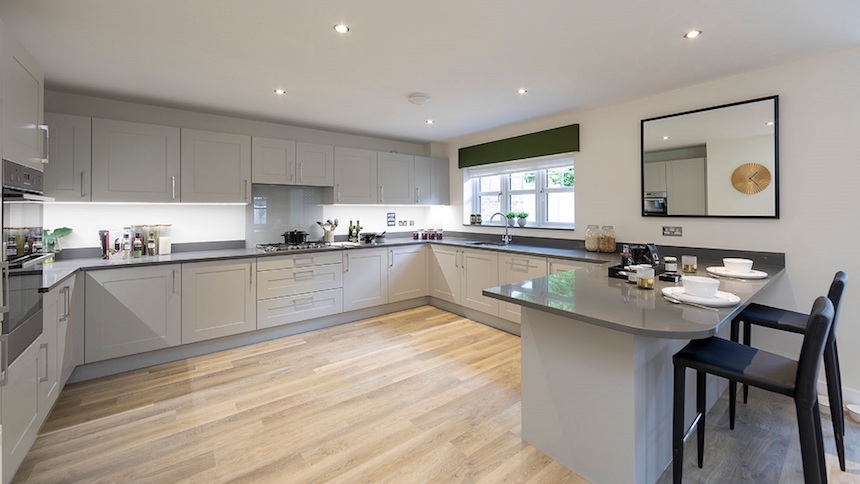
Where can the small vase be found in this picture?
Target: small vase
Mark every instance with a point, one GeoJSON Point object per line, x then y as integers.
{"type": "Point", "coordinates": [512, 221]}
{"type": "Point", "coordinates": [521, 222]}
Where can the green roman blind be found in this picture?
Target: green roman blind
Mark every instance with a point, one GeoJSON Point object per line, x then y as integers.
{"type": "Point", "coordinates": [550, 142]}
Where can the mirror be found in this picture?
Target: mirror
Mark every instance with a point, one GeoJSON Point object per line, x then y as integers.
{"type": "Point", "coordinates": [714, 162]}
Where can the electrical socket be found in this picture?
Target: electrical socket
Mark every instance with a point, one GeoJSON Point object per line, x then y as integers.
{"type": "Point", "coordinates": [673, 231]}
{"type": "Point", "coordinates": [401, 223]}
{"type": "Point", "coordinates": [411, 223]}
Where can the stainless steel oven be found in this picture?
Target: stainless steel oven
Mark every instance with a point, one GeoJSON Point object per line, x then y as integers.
{"type": "Point", "coordinates": [655, 202]}
{"type": "Point", "coordinates": [21, 262]}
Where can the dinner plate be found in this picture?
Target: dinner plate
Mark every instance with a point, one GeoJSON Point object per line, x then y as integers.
{"type": "Point", "coordinates": [721, 300]}
{"type": "Point", "coordinates": [722, 271]}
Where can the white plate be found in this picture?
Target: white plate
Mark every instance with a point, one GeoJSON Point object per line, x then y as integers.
{"type": "Point", "coordinates": [722, 271]}
{"type": "Point", "coordinates": [722, 299]}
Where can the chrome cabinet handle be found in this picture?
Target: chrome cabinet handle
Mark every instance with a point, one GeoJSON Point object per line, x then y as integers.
{"type": "Point", "coordinates": [65, 315]}
{"type": "Point", "coordinates": [347, 263]}
{"type": "Point", "coordinates": [246, 190]}
{"type": "Point", "coordinates": [82, 184]}
{"type": "Point", "coordinates": [303, 301]}
{"type": "Point", "coordinates": [45, 142]}
{"type": "Point", "coordinates": [381, 193]}
{"type": "Point", "coordinates": [291, 171]}
{"type": "Point", "coordinates": [417, 195]}
{"type": "Point", "coordinates": [4, 279]}
{"type": "Point", "coordinates": [4, 359]}
{"type": "Point", "coordinates": [44, 346]}
{"type": "Point", "coordinates": [390, 258]}
{"type": "Point", "coordinates": [250, 276]}
{"type": "Point", "coordinates": [338, 192]}
{"type": "Point", "coordinates": [173, 186]}
{"type": "Point", "coordinates": [301, 172]}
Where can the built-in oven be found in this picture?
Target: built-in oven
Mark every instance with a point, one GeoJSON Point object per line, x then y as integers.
{"type": "Point", "coordinates": [655, 203]}
{"type": "Point", "coordinates": [21, 264]}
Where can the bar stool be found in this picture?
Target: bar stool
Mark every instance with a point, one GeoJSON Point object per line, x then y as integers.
{"type": "Point", "coordinates": [775, 373]}
{"type": "Point", "coordinates": [794, 322]}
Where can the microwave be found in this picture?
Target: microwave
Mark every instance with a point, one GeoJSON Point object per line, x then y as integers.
{"type": "Point", "coordinates": [655, 203]}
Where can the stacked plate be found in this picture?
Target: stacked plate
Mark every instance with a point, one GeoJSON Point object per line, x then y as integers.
{"type": "Point", "coordinates": [737, 268]}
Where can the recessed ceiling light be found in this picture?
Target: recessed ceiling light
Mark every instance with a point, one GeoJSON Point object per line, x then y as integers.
{"type": "Point", "coordinates": [429, 121]}
{"type": "Point", "coordinates": [521, 91]}
{"type": "Point", "coordinates": [341, 28]}
{"type": "Point", "coordinates": [770, 123]}
{"type": "Point", "coordinates": [280, 91]}
{"type": "Point", "coordinates": [665, 138]}
{"type": "Point", "coordinates": [692, 34]}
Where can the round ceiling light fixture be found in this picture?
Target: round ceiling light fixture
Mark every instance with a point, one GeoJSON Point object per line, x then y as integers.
{"type": "Point", "coordinates": [418, 98]}
{"type": "Point", "coordinates": [521, 91]}
{"type": "Point", "coordinates": [429, 121]}
{"type": "Point", "coordinates": [692, 34]}
{"type": "Point", "coordinates": [341, 28]}
{"type": "Point", "coordinates": [280, 91]}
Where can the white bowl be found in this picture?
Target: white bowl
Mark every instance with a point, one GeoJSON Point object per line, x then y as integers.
{"type": "Point", "coordinates": [737, 266]}
{"type": "Point", "coordinates": [854, 411]}
{"type": "Point", "coordinates": [700, 286]}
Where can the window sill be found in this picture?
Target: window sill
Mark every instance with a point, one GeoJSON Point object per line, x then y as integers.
{"type": "Point", "coordinates": [517, 227]}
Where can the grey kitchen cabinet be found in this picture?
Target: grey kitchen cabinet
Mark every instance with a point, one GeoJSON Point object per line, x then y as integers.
{"type": "Point", "coordinates": [68, 176]}
{"type": "Point", "coordinates": [480, 269]}
{"type": "Point", "coordinates": [135, 162]}
{"type": "Point", "coordinates": [431, 181]}
{"type": "Point", "coordinates": [19, 408]}
{"type": "Point", "coordinates": [314, 165]}
{"type": "Point", "coordinates": [69, 319]}
{"type": "Point", "coordinates": [654, 174]}
{"type": "Point", "coordinates": [554, 266]}
{"type": "Point", "coordinates": [215, 167]}
{"type": "Point", "coordinates": [49, 382]}
{"type": "Point", "coordinates": [132, 310]}
{"type": "Point", "coordinates": [218, 299]}
{"type": "Point", "coordinates": [273, 161]}
{"type": "Point", "coordinates": [396, 178]}
{"type": "Point", "coordinates": [24, 140]}
{"type": "Point", "coordinates": [296, 288]}
{"type": "Point", "coordinates": [407, 272]}
{"type": "Point", "coordinates": [517, 268]}
{"type": "Point", "coordinates": [445, 274]}
{"type": "Point", "coordinates": [355, 176]}
{"type": "Point", "coordinates": [686, 191]}
{"type": "Point", "coordinates": [365, 278]}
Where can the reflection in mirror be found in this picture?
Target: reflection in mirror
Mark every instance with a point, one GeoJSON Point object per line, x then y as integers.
{"type": "Point", "coordinates": [721, 161]}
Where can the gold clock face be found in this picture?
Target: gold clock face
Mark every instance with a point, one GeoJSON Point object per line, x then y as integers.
{"type": "Point", "coordinates": [751, 178]}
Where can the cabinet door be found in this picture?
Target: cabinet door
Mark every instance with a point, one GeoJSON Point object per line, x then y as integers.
{"type": "Point", "coordinates": [298, 280]}
{"type": "Point", "coordinates": [365, 278]}
{"type": "Point", "coordinates": [49, 368]}
{"type": "Point", "coordinates": [134, 162]}
{"type": "Point", "coordinates": [516, 268]}
{"type": "Point", "coordinates": [441, 182]}
{"type": "Point", "coordinates": [554, 266]}
{"type": "Point", "coordinates": [215, 167]}
{"type": "Point", "coordinates": [355, 176]}
{"type": "Point", "coordinates": [273, 161]}
{"type": "Point", "coordinates": [67, 326]}
{"type": "Point", "coordinates": [67, 176]}
{"type": "Point", "coordinates": [407, 272]}
{"type": "Point", "coordinates": [23, 139]}
{"type": "Point", "coordinates": [20, 408]}
{"type": "Point", "coordinates": [431, 181]}
{"type": "Point", "coordinates": [395, 174]}
{"type": "Point", "coordinates": [445, 278]}
{"type": "Point", "coordinates": [655, 176]}
{"type": "Point", "coordinates": [315, 165]}
{"type": "Point", "coordinates": [685, 191]}
{"type": "Point", "coordinates": [480, 271]}
{"type": "Point", "coordinates": [219, 299]}
{"type": "Point", "coordinates": [132, 310]}
{"type": "Point", "coordinates": [292, 309]}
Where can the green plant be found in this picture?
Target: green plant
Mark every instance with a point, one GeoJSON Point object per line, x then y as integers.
{"type": "Point", "coordinates": [52, 238]}
{"type": "Point", "coordinates": [523, 215]}
{"type": "Point", "coordinates": [511, 214]}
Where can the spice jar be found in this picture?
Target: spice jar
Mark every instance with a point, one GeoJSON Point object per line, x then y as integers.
{"type": "Point", "coordinates": [606, 240]}
{"type": "Point", "coordinates": [592, 238]}
{"type": "Point", "coordinates": [645, 277]}
{"type": "Point", "coordinates": [671, 263]}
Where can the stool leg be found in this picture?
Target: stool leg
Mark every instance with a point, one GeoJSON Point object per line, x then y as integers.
{"type": "Point", "coordinates": [700, 407]}
{"type": "Point", "coordinates": [678, 425]}
{"type": "Point", "coordinates": [733, 385]}
{"type": "Point", "coordinates": [822, 463]}
{"type": "Point", "coordinates": [838, 372]}
{"type": "Point", "coordinates": [748, 342]}
{"type": "Point", "coordinates": [811, 446]}
{"type": "Point", "coordinates": [834, 393]}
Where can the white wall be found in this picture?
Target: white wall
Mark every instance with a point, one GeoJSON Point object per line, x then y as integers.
{"type": "Point", "coordinates": [723, 157]}
{"type": "Point", "coordinates": [818, 149]}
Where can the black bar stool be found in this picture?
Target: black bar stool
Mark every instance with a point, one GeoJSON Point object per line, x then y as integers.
{"type": "Point", "coordinates": [794, 322]}
{"type": "Point", "coordinates": [748, 365]}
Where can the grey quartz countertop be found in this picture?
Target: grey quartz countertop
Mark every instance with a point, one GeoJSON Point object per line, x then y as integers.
{"type": "Point", "coordinates": [589, 295]}
{"type": "Point", "coordinates": [53, 274]}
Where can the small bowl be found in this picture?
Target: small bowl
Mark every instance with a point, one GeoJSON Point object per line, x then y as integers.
{"type": "Point", "coordinates": [854, 411]}
{"type": "Point", "coordinates": [737, 266]}
{"type": "Point", "coordinates": [700, 286]}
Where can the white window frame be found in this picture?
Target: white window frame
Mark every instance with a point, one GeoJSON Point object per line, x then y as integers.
{"type": "Point", "coordinates": [540, 167]}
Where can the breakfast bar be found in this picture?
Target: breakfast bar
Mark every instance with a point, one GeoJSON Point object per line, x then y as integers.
{"type": "Point", "coordinates": [597, 366]}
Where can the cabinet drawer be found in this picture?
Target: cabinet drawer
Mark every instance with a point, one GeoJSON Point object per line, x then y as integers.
{"type": "Point", "coordinates": [288, 282]}
{"type": "Point", "coordinates": [299, 260]}
{"type": "Point", "coordinates": [292, 309]}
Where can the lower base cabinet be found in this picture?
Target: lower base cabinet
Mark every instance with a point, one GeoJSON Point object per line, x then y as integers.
{"type": "Point", "coordinates": [132, 310]}
{"type": "Point", "coordinates": [365, 278]}
{"type": "Point", "coordinates": [459, 276]}
{"type": "Point", "coordinates": [301, 307]}
{"type": "Point", "coordinates": [218, 299]}
{"type": "Point", "coordinates": [407, 272]}
{"type": "Point", "coordinates": [518, 268]}
{"type": "Point", "coordinates": [19, 407]}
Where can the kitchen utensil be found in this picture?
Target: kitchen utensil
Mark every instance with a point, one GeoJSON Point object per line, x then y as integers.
{"type": "Point", "coordinates": [368, 237]}
{"type": "Point", "coordinates": [676, 301]}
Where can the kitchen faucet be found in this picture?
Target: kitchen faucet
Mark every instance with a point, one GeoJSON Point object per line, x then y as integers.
{"type": "Point", "coordinates": [506, 239]}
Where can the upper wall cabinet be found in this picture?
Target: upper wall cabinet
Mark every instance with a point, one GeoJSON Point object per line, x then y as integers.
{"type": "Point", "coordinates": [216, 167]}
{"type": "Point", "coordinates": [355, 176]}
{"type": "Point", "coordinates": [314, 165]}
{"type": "Point", "coordinates": [24, 140]}
{"type": "Point", "coordinates": [431, 181]}
{"type": "Point", "coordinates": [68, 175]}
{"type": "Point", "coordinates": [396, 178]}
{"type": "Point", "coordinates": [273, 161]}
{"type": "Point", "coordinates": [134, 162]}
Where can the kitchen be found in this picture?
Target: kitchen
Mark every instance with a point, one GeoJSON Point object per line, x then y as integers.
{"type": "Point", "coordinates": [817, 100]}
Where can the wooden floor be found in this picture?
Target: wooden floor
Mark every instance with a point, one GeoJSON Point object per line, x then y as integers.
{"type": "Point", "coordinates": [415, 396]}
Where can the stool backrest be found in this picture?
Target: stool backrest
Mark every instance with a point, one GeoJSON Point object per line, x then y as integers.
{"type": "Point", "coordinates": [835, 296]}
{"type": "Point", "coordinates": [817, 331]}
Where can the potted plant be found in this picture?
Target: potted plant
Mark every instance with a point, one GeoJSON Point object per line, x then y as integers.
{"type": "Point", "coordinates": [512, 218]}
{"type": "Point", "coordinates": [521, 218]}
{"type": "Point", "coordinates": [52, 238]}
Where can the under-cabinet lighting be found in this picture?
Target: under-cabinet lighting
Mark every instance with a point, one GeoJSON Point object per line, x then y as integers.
{"type": "Point", "coordinates": [164, 204]}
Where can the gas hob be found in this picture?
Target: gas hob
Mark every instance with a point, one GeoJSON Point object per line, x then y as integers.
{"type": "Point", "coordinates": [282, 247]}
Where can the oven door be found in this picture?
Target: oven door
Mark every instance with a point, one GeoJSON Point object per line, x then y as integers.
{"type": "Point", "coordinates": [655, 203]}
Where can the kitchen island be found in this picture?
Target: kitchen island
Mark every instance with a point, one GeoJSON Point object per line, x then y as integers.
{"type": "Point", "coordinates": [597, 367]}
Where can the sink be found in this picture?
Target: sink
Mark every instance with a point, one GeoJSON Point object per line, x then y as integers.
{"type": "Point", "coordinates": [488, 244]}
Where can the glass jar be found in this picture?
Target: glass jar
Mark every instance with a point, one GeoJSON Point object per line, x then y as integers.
{"type": "Point", "coordinates": [592, 238]}
{"type": "Point", "coordinates": [606, 240]}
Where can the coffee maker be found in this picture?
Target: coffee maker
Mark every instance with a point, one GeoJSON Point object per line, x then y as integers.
{"type": "Point", "coordinates": [645, 254]}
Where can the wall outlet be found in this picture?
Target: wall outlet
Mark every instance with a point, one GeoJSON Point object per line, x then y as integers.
{"type": "Point", "coordinates": [673, 231]}
{"type": "Point", "coordinates": [401, 223]}
{"type": "Point", "coordinates": [411, 223]}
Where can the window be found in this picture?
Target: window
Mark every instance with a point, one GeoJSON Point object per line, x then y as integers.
{"type": "Point", "coordinates": [544, 190]}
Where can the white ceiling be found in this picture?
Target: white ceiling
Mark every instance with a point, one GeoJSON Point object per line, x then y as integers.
{"type": "Point", "coordinates": [227, 56]}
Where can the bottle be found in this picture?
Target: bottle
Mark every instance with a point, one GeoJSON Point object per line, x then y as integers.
{"type": "Point", "coordinates": [606, 242]}
{"type": "Point", "coordinates": [351, 231]}
{"type": "Point", "coordinates": [126, 246]}
{"type": "Point", "coordinates": [137, 245]}
{"type": "Point", "coordinates": [150, 244]}
{"type": "Point", "coordinates": [592, 238]}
